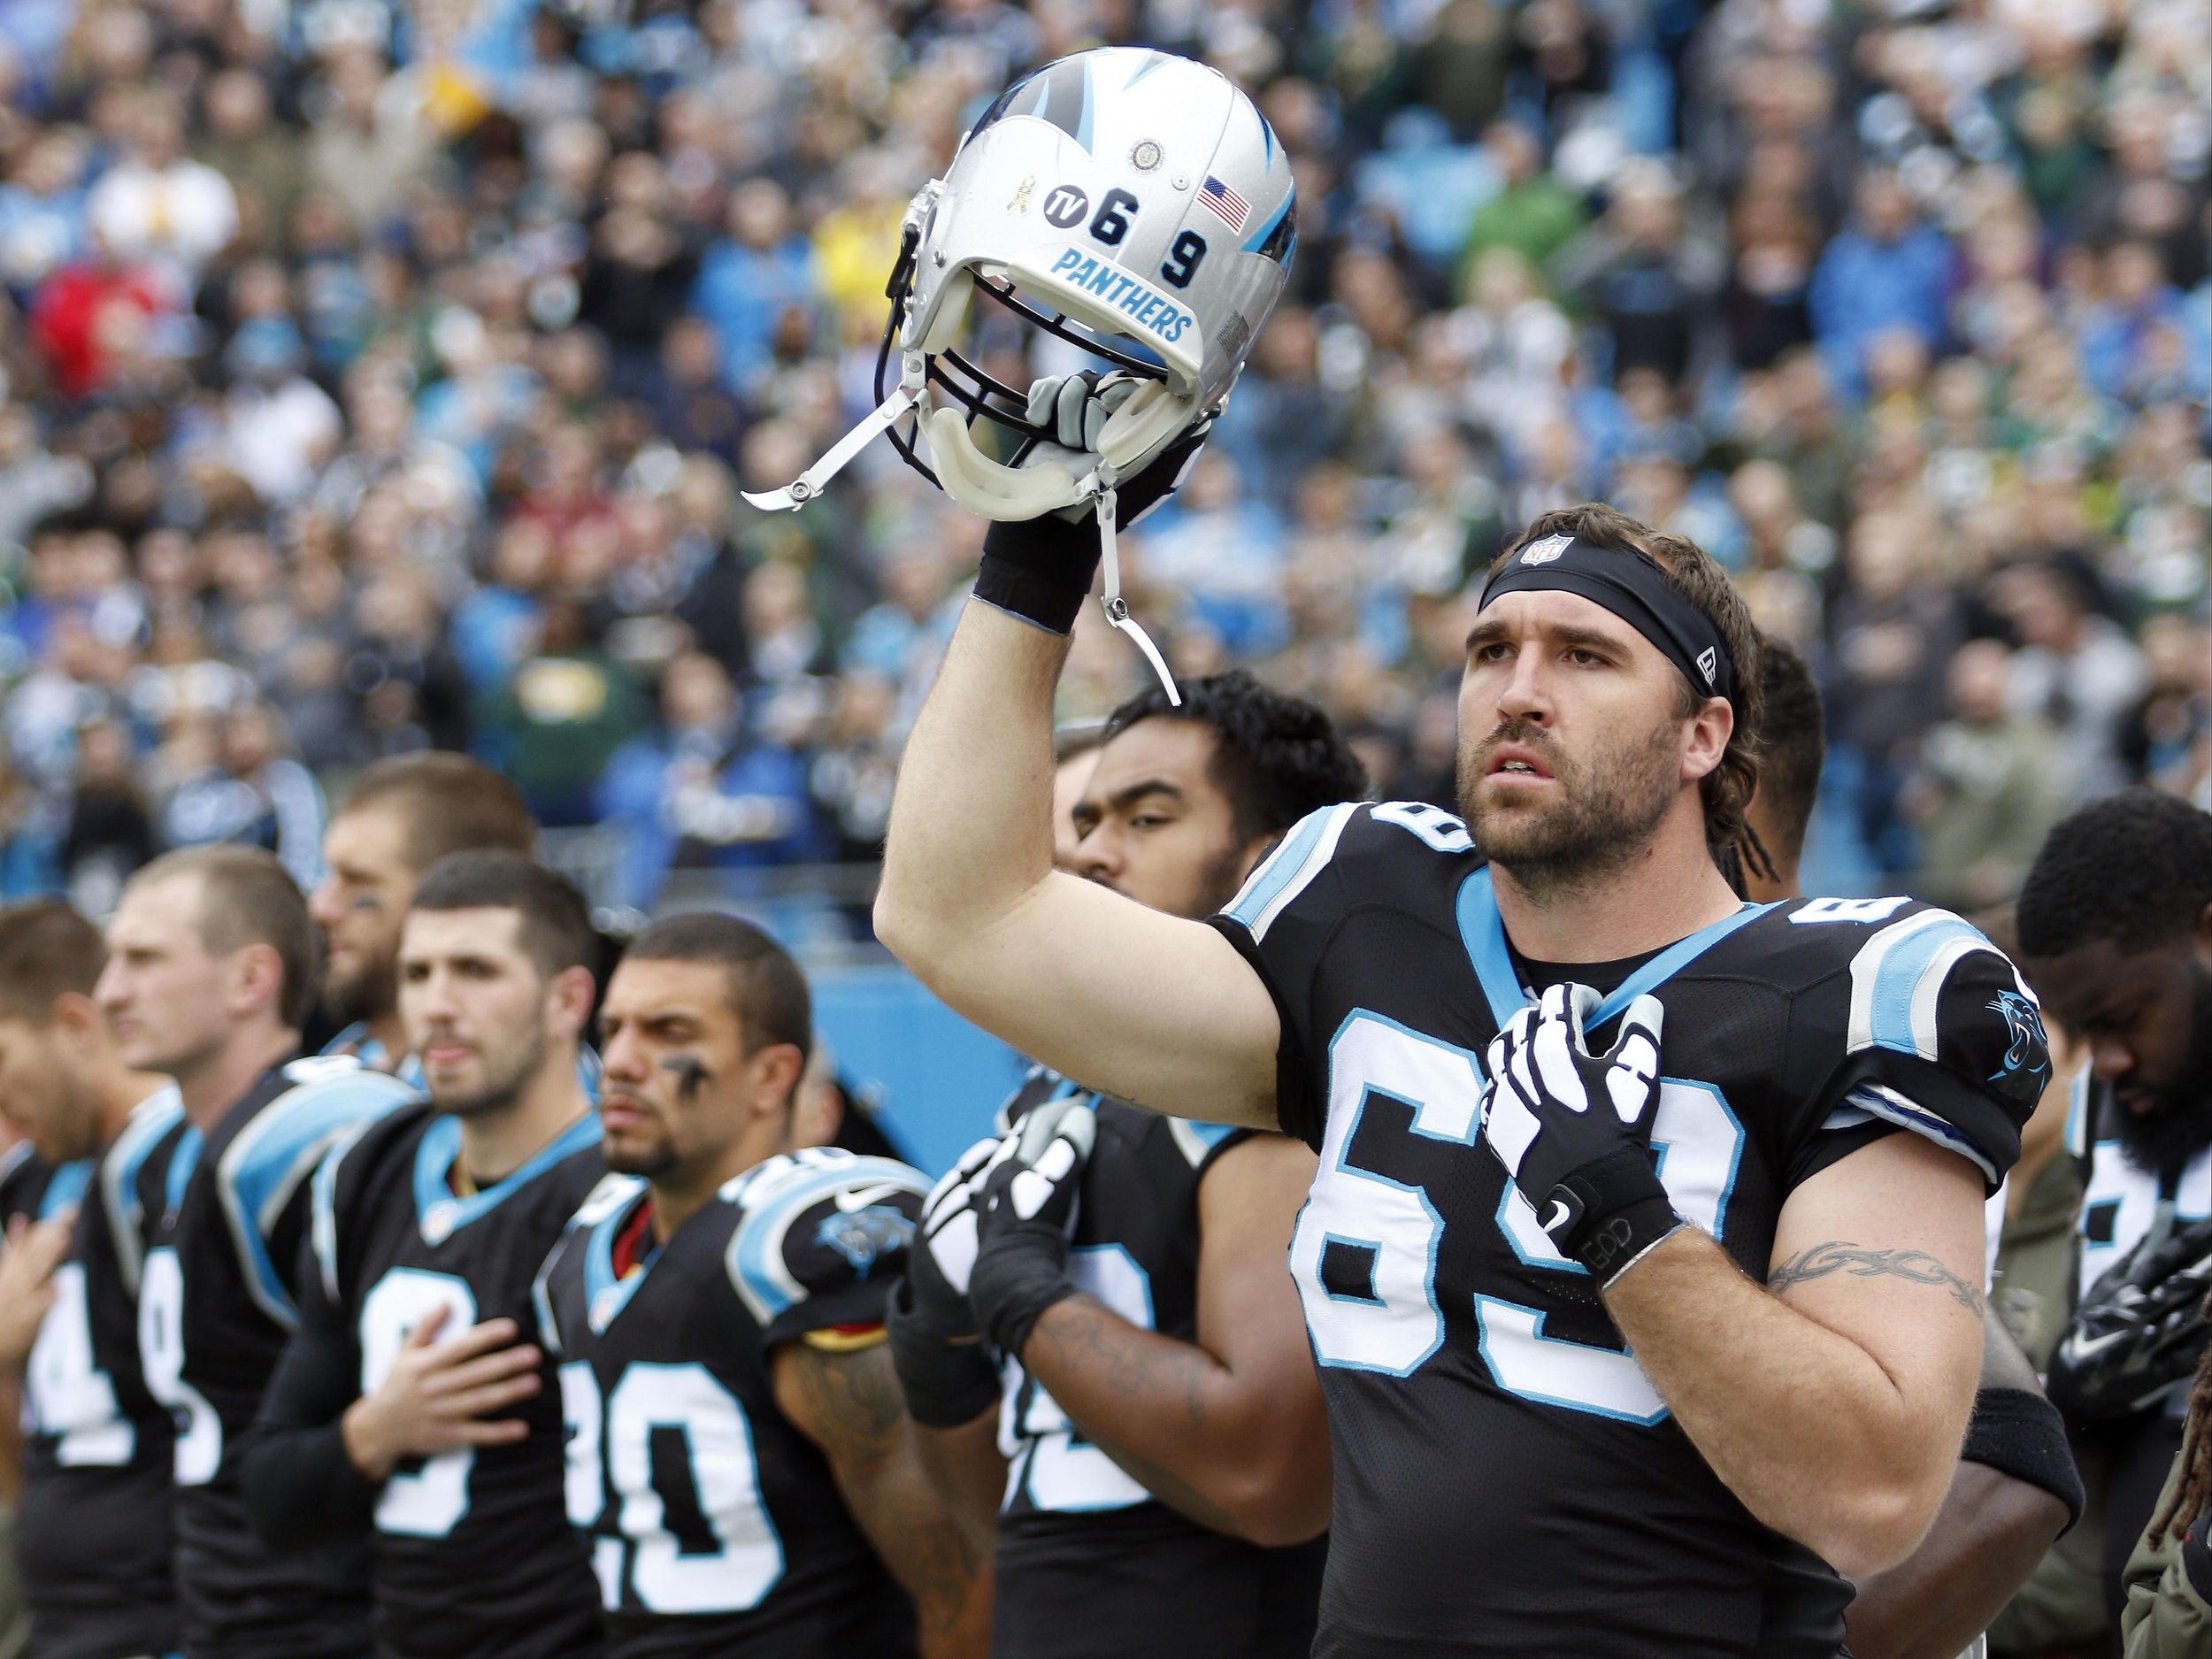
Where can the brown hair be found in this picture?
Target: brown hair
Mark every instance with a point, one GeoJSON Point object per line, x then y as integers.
{"type": "Point", "coordinates": [453, 803]}
{"type": "Point", "coordinates": [246, 898]}
{"type": "Point", "coordinates": [46, 950]}
{"type": "Point", "coordinates": [1727, 790]}
{"type": "Point", "coordinates": [554, 923]}
{"type": "Point", "coordinates": [767, 992]}
{"type": "Point", "coordinates": [2193, 1493]}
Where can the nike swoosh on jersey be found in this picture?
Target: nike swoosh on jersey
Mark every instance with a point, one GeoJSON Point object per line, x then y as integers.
{"type": "Point", "coordinates": [866, 1195]}
{"type": "Point", "coordinates": [1558, 1217]}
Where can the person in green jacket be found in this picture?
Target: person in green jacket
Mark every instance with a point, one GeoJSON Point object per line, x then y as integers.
{"type": "Point", "coordinates": [2169, 1578]}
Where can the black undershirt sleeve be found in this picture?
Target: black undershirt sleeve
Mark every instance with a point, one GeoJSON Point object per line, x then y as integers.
{"type": "Point", "coordinates": [301, 1487]}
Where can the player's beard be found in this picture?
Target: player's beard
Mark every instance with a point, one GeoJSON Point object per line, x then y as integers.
{"type": "Point", "coordinates": [367, 993]}
{"type": "Point", "coordinates": [505, 1076]}
{"type": "Point", "coordinates": [1600, 814]}
{"type": "Point", "coordinates": [2179, 1126]}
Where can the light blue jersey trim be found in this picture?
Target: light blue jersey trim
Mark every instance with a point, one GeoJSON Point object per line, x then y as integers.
{"type": "Point", "coordinates": [1483, 931]}
{"type": "Point", "coordinates": [262, 1167]}
{"type": "Point", "coordinates": [440, 1145]}
{"type": "Point", "coordinates": [755, 1254]}
{"type": "Point", "coordinates": [152, 1118]}
{"type": "Point", "coordinates": [64, 1188]}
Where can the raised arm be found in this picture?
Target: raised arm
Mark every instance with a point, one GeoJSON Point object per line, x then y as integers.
{"type": "Point", "coordinates": [1227, 1429]}
{"type": "Point", "coordinates": [1832, 1400]}
{"type": "Point", "coordinates": [848, 1404]}
{"type": "Point", "coordinates": [1150, 1006]}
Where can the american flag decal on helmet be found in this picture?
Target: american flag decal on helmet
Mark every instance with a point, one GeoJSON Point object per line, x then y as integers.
{"type": "Point", "coordinates": [1231, 209]}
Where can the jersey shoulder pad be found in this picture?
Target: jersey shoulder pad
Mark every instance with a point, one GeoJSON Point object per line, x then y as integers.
{"type": "Point", "coordinates": [819, 1236]}
{"type": "Point", "coordinates": [152, 1127]}
{"type": "Point", "coordinates": [261, 1170]}
{"type": "Point", "coordinates": [608, 1198]}
{"type": "Point", "coordinates": [1931, 1018]}
{"type": "Point", "coordinates": [1351, 853]}
{"type": "Point", "coordinates": [348, 1174]}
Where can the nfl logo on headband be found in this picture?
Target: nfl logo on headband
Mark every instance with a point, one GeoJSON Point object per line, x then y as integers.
{"type": "Point", "coordinates": [1545, 551]}
{"type": "Point", "coordinates": [1707, 662]}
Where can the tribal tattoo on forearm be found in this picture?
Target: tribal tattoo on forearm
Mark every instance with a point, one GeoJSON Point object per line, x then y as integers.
{"type": "Point", "coordinates": [1839, 1255]}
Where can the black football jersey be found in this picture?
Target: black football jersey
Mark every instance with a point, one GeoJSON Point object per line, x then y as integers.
{"type": "Point", "coordinates": [474, 1555]}
{"type": "Point", "coordinates": [1508, 1480]}
{"type": "Point", "coordinates": [715, 1526]}
{"type": "Point", "coordinates": [1090, 1566]}
{"type": "Point", "coordinates": [92, 1536]}
{"type": "Point", "coordinates": [217, 1302]}
{"type": "Point", "coordinates": [2122, 1203]}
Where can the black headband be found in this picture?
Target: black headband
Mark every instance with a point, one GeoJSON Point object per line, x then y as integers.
{"type": "Point", "coordinates": [1632, 585]}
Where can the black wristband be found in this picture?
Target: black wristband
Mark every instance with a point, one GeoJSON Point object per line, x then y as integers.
{"type": "Point", "coordinates": [2017, 1431]}
{"type": "Point", "coordinates": [1623, 1211]}
{"type": "Point", "coordinates": [1040, 569]}
{"type": "Point", "coordinates": [946, 1384]}
{"type": "Point", "coordinates": [1012, 1284]}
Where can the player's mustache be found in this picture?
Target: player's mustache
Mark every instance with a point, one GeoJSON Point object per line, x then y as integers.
{"type": "Point", "coordinates": [1527, 734]}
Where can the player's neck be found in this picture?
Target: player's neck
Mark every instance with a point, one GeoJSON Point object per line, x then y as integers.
{"type": "Point", "coordinates": [1665, 891]}
{"type": "Point", "coordinates": [678, 1195]}
{"type": "Point", "coordinates": [211, 1087]}
{"type": "Point", "coordinates": [495, 1144]}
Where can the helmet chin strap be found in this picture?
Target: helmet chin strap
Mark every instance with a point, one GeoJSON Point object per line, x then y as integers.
{"type": "Point", "coordinates": [1117, 608]}
{"type": "Point", "coordinates": [807, 485]}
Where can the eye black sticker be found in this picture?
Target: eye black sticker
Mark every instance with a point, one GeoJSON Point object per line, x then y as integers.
{"type": "Point", "coordinates": [1066, 206]}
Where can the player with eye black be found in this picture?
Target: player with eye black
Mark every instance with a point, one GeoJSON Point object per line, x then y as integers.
{"type": "Point", "coordinates": [739, 1458]}
{"type": "Point", "coordinates": [92, 1532]}
{"type": "Point", "coordinates": [1162, 1475]}
{"type": "Point", "coordinates": [1642, 1264]}
{"type": "Point", "coordinates": [210, 974]}
{"type": "Point", "coordinates": [412, 1403]}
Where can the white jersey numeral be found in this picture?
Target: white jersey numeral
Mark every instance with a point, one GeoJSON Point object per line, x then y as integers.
{"type": "Point", "coordinates": [610, 1449]}
{"type": "Point", "coordinates": [161, 1354]}
{"type": "Point", "coordinates": [430, 1502]}
{"type": "Point", "coordinates": [1395, 1323]}
{"type": "Point", "coordinates": [1062, 1470]}
{"type": "Point", "coordinates": [65, 1394]}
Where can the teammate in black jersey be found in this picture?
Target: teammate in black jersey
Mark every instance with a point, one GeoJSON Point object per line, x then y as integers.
{"type": "Point", "coordinates": [406, 1400]}
{"type": "Point", "coordinates": [210, 960]}
{"type": "Point", "coordinates": [2116, 927]}
{"type": "Point", "coordinates": [1169, 1457]}
{"type": "Point", "coordinates": [2015, 1488]}
{"type": "Point", "coordinates": [93, 1526]}
{"type": "Point", "coordinates": [1572, 1097]}
{"type": "Point", "coordinates": [737, 1452]}
{"type": "Point", "coordinates": [399, 817]}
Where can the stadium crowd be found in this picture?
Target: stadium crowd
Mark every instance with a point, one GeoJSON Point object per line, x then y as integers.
{"type": "Point", "coordinates": [378, 376]}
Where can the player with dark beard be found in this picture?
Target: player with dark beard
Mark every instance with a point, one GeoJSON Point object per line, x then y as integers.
{"type": "Point", "coordinates": [2116, 927]}
{"type": "Point", "coordinates": [1580, 1401]}
{"type": "Point", "coordinates": [400, 817]}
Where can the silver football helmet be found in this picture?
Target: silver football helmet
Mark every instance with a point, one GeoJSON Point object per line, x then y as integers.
{"type": "Point", "coordinates": [1131, 202]}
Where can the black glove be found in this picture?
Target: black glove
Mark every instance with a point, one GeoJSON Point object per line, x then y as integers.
{"type": "Point", "coordinates": [1041, 569]}
{"type": "Point", "coordinates": [2140, 1330]}
{"type": "Point", "coordinates": [1573, 1130]}
{"type": "Point", "coordinates": [936, 1347]}
{"type": "Point", "coordinates": [1026, 1212]}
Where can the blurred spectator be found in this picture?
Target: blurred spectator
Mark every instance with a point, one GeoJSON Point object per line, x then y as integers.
{"type": "Point", "coordinates": [157, 206]}
{"type": "Point", "coordinates": [696, 794]}
{"type": "Point", "coordinates": [2075, 669]}
{"type": "Point", "coordinates": [560, 717]}
{"type": "Point", "coordinates": [1986, 793]}
{"type": "Point", "coordinates": [233, 782]}
{"type": "Point", "coordinates": [1889, 270]}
